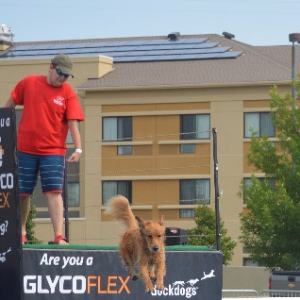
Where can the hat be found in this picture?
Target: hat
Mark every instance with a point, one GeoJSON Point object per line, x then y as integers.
{"type": "Point", "coordinates": [64, 63]}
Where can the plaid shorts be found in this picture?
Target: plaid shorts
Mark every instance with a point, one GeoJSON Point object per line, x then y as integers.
{"type": "Point", "coordinates": [50, 167]}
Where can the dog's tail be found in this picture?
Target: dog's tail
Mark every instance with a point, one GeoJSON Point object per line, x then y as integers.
{"type": "Point", "coordinates": [118, 206]}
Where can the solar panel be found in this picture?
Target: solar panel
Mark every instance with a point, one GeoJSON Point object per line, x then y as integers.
{"type": "Point", "coordinates": [78, 45]}
{"type": "Point", "coordinates": [42, 47]}
{"type": "Point", "coordinates": [157, 52]}
{"type": "Point", "coordinates": [126, 50]}
{"type": "Point", "coordinates": [164, 47]}
{"type": "Point", "coordinates": [137, 53]}
{"type": "Point", "coordinates": [116, 54]}
{"type": "Point", "coordinates": [7, 55]}
{"type": "Point", "coordinates": [155, 42]}
{"type": "Point", "coordinates": [178, 41]}
{"type": "Point", "coordinates": [25, 53]}
{"type": "Point", "coordinates": [187, 56]}
{"type": "Point", "coordinates": [176, 51]}
{"type": "Point", "coordinates": [107, 49]}
{"type": "Point", "coordinates": [195, 51]}
{"type": "Point", "coordinates": [52, 52]}
{"type": "Point", "coordinates": [185, 46]}
{"type": "Point", "coordinates": [116, 43]}
{"type": "Point", "coordinates": [97, 44]}
{"type": "Point", "coordinates": [126, 59]}
{"type": "Point", "coordinates": [72, 51]}
{"type": "Point", "coordinates": [208, 55]}
{"type": "Point", "coordinates": [170, 46]}
{"type": "Point", "coordinates": [144, 48]}
{"type": "Point", "coordinates": [137, 42]}
{"type": "Point", "coordinates": [88, 50]}
{"type": "Point", "coordinates": [231, 54]}
{"type": "Point", "coordinates": [193, 40]}
{"type": "Point", "coordinates": [168, 57]}
{"type": "Point", "coordinates": [153, 58]}
{"type": "Point", "coordinates": [120, 49]}
{"type": "Point", "coordinates": [23, 47]}
{"type": "Point", "coordinates": [60, 46]}
{"type": "Point", "coordinates": [217, 49]}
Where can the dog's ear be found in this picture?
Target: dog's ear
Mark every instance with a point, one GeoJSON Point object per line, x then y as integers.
{"type": "Point", "coordinates": [161, 222]}
{"type": "Point", "coordinates": [140, 222]}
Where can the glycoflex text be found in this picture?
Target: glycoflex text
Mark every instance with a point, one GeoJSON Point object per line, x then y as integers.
{"type": "Point", "coordinates": [6, 179]}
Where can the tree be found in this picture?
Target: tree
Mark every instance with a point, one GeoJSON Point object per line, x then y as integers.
{"type": "Point", "coordinates": [205, 232]}
{"type": "Point", "coordinates": [30, 225]}
{"type": "Point", "coordinates": [271, 228]}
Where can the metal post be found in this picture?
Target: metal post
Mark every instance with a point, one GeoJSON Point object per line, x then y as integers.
{"type": "Point", "coordinates": [216, 184]}
{"type": "Point", "coordinates": [294, 38]}
{"type": "Point", "coordinates": [293, 69]}
{"type": "Point", "coordinates": [65, 201]}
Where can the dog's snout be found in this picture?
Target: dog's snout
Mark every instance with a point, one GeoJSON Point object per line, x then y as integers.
{"type": "Point", "coordinates": [155, 248]}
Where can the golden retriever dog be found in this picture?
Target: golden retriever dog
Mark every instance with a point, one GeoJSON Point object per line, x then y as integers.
{"type": "Point", "coordinates": [141, 244]}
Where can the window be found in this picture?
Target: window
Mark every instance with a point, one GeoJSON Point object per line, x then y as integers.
{"type": "Point", "coordinates": [195, 127]}
{"type": "Point", "coordinates": [118, 129]}
{"type": "Point", "coordinates": [248, 181]}
{"type": "Point", "coordinates": [125, 150]}
{"type": "Point", "coordinates": [73, 194]}
{"type": "Point", "coordinates": [249, 262]}
{"type": "Point", "coordinates": [113, 188]}
{"type": "Point", "coordinates": [259, 123]}
{"type": "Point", "coordinates": [187, 148]}
{"type": "Point", "coordinates": [193, 191]}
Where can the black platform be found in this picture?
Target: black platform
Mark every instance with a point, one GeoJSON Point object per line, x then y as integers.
{"type": "Point", "coordinates": [80, 272]}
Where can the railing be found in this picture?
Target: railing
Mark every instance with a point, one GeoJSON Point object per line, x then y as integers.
{"type": "Point", "coordinates": [228, 293]}
{"type": "Point", "coordinates": [280, 293]}
{"type": "Point", "coordinates": [243, 294]}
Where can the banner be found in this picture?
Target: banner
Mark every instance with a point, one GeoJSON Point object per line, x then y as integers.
{"type": "Point", "coordinates": [90, 274]}
{"type": "Point", "coordinates": [10, 231]}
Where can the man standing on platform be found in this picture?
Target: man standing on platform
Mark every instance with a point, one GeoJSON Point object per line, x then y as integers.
{"type": "Point", "coordinates": [51, 108]}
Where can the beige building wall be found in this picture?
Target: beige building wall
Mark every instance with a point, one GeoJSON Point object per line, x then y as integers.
{"type": "Point", "coordinates": [156, 166]}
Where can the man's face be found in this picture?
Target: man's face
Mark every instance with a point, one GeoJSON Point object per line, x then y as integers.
{"type": "Point", "coordinates": [56, 77]}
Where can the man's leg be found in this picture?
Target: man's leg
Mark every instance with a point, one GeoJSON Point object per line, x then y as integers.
{"type": "Point", "coordinates": [28, 170]}
{"type": "Point", "coordinates": [25, 207]}
{"type": "Point", "coordinates": [52, 177]}
{"type": "Point", "coordinates": [56, 212]}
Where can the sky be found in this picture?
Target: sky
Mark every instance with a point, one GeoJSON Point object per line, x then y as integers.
{"type": "Point", "coordinates": [254, 22]}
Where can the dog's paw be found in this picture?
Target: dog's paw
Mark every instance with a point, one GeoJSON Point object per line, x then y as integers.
{"type": "Point", "coordinates": [149, 291]}
{"type": "Point", "coordinates": [159, 286]}
{"type": "Point", "coordinates": [134, 278]}
{"type": "Point", "coordinates": [149, 288]}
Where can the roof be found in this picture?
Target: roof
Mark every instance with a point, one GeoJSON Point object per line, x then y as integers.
{"type": "Point", "coordinates": [246, 63]}
{"type": "Point", "coordinates": [280, 54]}
{"type": "Point", "coordinates": [268, 64]}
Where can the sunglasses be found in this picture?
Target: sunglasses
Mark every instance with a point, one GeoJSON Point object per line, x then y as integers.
{"type": "Point", "coordinates": [60, 73]}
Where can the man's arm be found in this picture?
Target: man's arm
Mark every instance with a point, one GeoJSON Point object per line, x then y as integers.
{"type": "Point", "coordinates": [10, 102]}
{"type": "Point", "coordinates": [76, 140]}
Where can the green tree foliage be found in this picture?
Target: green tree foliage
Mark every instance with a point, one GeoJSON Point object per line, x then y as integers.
{"type": "Point", "coordinates": [205, 232]}
{"type": "Point", "coordinates": [30, 225]}
{"type": "Point", "coordinates": [271, 229]}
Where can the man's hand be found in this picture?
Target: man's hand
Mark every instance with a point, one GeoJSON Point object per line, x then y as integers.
{"type": "Point", "coordinates": [74, 157]}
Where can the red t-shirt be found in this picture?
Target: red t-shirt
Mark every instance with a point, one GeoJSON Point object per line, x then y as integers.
{"type": "Point", "coordinates": [44, 124]}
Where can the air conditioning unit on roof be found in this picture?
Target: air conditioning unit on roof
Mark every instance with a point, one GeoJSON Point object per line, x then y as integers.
{"type": "Point", "coordinates": [5, 33]}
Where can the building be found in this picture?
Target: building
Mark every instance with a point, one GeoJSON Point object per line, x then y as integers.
{"type": "Point", "coordinates": [150, 104]}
